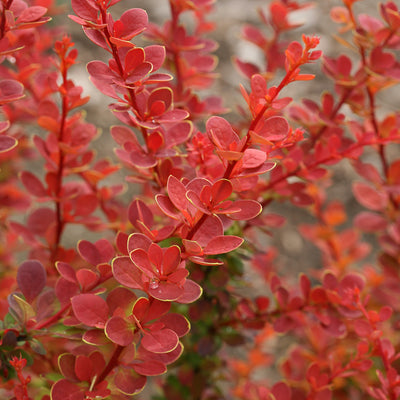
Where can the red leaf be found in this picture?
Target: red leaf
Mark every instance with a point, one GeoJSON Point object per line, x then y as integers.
{"type": "Point", "coordinates": [162, 341]}
{"type": "Point", "coordinates": [221, 190]}
{"type": "Point", "coordinates": [221, 132]}
{"type": "Point", "coordinates": [33, 185]}
{"type": "Point", "coordinates": [90, 309]}
{"type": "Point", "coordinates": [165, 291]}
{"type": "Point", "coordinates": [156, 55]}
{"type": "Point", "coordinates": [119, 331]}
{"type": "Point", "coordinates": [31, 279]}
{"type": "Point", "coordinates": [85, 9]}
{"type": "Point", "coordinates": [88, 251]}
{"type": "Point", "coordinates": [369, 197]}
{"type": "Point", "coordinates": [212, 226]}
{"type": "Point", "coordinates": [249, 210]}
{"type": "Point", "coordinates": [31, 14]}
{"type": "Point", "coordinates": [281, 391]}
{"type": "Point", "coordinates": [192, 291]}
{"type": "Point", "coordinates": [7, 143]}
{"type": "Point", "coordinates": [10, 90]}
{"type": "Point", "coordinates": [126, 273]}
{"type": "Point", "coordinates": [65, 390]}
{"type": "Point", "coordinates": [176, 322]}
{"type": "Point", "coordinates": [167, 207]}
{"type": "Point", "coordinates": [177, 193]}
{"type": "Point", "coordinates": [150, 368]}
{"type": "Point", "coordinates": [274, 128]}
{"type": "Point", "coordinates": [132, 22]}
{"type": "Point", "coordinates": [222, 244]}
{"type": "Point", "coordinates": [370, 222]}
{"type": "Point", "coordinates": [83, 368]}
{"type": "Point", "coordinates": [253, 158]}
{"type": "Point", "coordinates": [129, 382]}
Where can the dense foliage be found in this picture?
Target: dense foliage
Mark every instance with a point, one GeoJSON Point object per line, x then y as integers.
{"type": "Point", "coordinates": [182, 276]}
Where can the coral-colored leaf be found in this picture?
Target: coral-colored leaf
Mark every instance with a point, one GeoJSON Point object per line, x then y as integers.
{"type": "Point", "coordinates": [222, 244]}
{"type": "Point", "coordinates": [90, 309]}
{"type": "Point", "coordinates": [33, 184]}
{"type": "Point", "coordinates": [7, 143]}
{"type": "Point", "coordinates": [31, 279]}
{"type": "Point", "coordinates": [176, 322]}
{"type": "Point", "coordinates": [150, 368]}
{"type": "Point", "coordinates": [129, 382]}
{"type": "Point", "coordinates": [162, 341]}
{"type": "Point", "coordinates": [177, 193]}
{"type": "Point", "coordinates": [10, 90]}
{"type": "Point", "coordinates": [126, 273]}
{"type": "Point", "coordinates": [133, 22]}
{"type": "Point", "coordinates": [66, 390]}
{"type": "Point", "coordinates": [88, 251]}
{"type": "Point", "coordinates": [221, 133]}
{"type": "Point", "coordinates": [119, 331]}
{"type": "Point", "coordinates": [249, 209]}
{"type": "Point", "coordinates": [31, 14]}
{"type": "Point", "coordinates": [369, 197]}
{"type": "Point", "coordinates": [191, 292]}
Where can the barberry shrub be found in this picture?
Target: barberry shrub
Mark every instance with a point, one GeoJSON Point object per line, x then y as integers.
{"type": "Point", "coordinates": [178, 291]}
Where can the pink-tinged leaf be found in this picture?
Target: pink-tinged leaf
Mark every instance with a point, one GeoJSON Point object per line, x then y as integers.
{"type": "Point", "coordinates": [177, 193]}
{"type": "Point", "coordinates": [165, 291]}
{"type": "Point", "coordinates": [89, 252]}
{"type": "Point", "coordinates": [138, 211]}
{"type": "Point", "coordinates": [205, 261]}
{"type": "Point", "coordinates": [120, 297]}
{"type": "Point", "coordinates": [192, 291]}
{"type": "Point", "coordinates": [249, 209]}
{"type": "Point", "coordinates": [165, 358]}
{"type": "Point", "coordinates": [85, 9]}
{"type": "Point", "coordinates": [132, 22]}
{"type": "Point", "coordinates": [119, 331]}
{"type": "Point", "coordinates": [211, 227]}
{"type": "Point", "coordinates": [129, 382]}
{"type": "Point", "coordinates": [65, 390]}
{"type": "Point", "coordinates": [177, 323]}
{"type": "Point", "coordinates": [221, 190]}
{"type": "Point", "coordinates": [140, 308]}
{"type": "Point", "coordinates": [362, 328]}
{"type": "Point", "coordinates": [222, 244]}
{"type": "Point", "coordinates": [66, 271]}
{"type": "Point", "coordinates": [369, 197]}
{"type": "Point", "coordinates": [95, 337]}
{"type": "Point", "coordinates": [140, 259]}
{"type": "Point", "coordinates": [192, 247]}
{"type": "Point", "coordinates": [150, 368]}
{"type": "Point", "coordinates": [221, 132]}
{"type": "Point", "coordinates": [41, 220]}
{"type": "Point", "coordinates": [83, 368]}
{"type": "Point", "coordinates": [90, 309]}
{"type": "Point", "coordinates": [138, 241]}
{"type": "Point", "coordinates": [7, 143]}
{"type": "Point", "coordinates": [281, 391]}
{"type": "Point", "coordinates": [126, 273]}
{"type": "Point", "coordinates": [133, 59]}
{"type": "Point", "coordinates": [167, 207]}
{"type": "Point", "coordinates": [370, 222]}
{"type": "Point", "coordinates": [31, 279]}
{"type": "Point", "coordinates": [195, 200]}
{"type": "Point", "coordinates": [31, 14]}
{"type": "Point", "coordinates": [155, 310]}
{"type": "Point", "coordinates": [66, 363]}
{"type": "Point", "coordinates": [4, 125]}
{"type": "Point", "coordinates": [171, 259]}
{"type": "Point", "coordinates": [33, 184]}
{"type": "Point", "coordinates": [155, 255]}
{"type": "Point", "coordinates": [156, 55]}
{"type": "Point", "coordinates": [274, 128]}
{"type": "Point", "coordinates": [253, 158]}
{"type": "Point", "coordinates": [162, 341]}
{"type": "Point", "coordinates": [10, 90]}
{"type": "Point", "coordinates": [102, 77]}
{"type": "Point", "coordinates": [86, 278]}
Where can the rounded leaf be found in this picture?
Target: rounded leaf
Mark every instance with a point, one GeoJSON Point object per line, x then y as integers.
{"type": "Point", "coordinates": [31, 279]}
